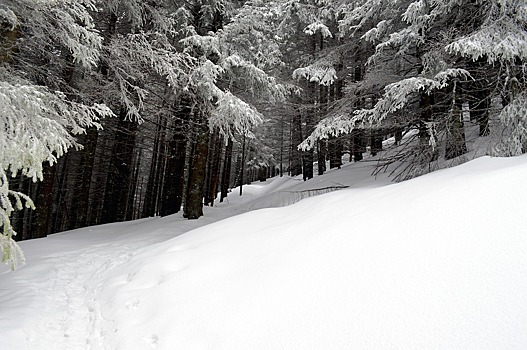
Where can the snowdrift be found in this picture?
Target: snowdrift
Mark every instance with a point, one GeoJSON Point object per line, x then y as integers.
{"type": "Point", "coordinates": [437, 262]}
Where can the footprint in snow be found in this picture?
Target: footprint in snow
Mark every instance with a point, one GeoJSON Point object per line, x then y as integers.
{"type": "Point", "coordinates": [152, 340]}
{"type": "Point", "coordinates": [132, 304]}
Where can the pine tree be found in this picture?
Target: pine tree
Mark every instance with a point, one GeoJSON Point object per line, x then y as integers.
{"type": "Point", "coordinates": [427, 51]}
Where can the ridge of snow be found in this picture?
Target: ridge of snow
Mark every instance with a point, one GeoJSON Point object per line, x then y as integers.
{"type": "Point", "coordinates": [437, 262]}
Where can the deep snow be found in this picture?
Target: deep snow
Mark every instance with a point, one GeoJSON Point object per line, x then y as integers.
{"type": "Point", "coordinates": [438, 262]}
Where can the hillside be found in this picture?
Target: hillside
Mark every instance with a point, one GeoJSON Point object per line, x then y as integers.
{"type": "Point", "coordinates": [437, 262]}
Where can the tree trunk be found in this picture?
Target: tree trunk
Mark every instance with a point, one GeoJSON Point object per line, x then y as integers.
{"type": "Point", "coordinates": [216, 180]}
{"type": "Point", "coordinates": [44, 203]}
{"type": "Point", "coordinates": [296, 155]}
{"type": "Point", "coordinates": [321, 156]}
{"type": "Point", "coordinates": [120, 172]}
{"type": "Point", "coordinates": [213, 168]}
{"type": "Point", "coordinates": [282, 146]}
{"type": "Point", "coordinates": [242, 163]}
{"type": "Point", "coordinates": [455, 143]}
{"type": "Point", "coordinates": [197, 176]}
{"type": "Point", "coordinates": [322, 144]}
{"type": "Point", "coordinates": [479, 109]}
{"type": "Point", "coordinates": [226, 175]}
{"type": "Point", "coordinates": [87, 161]}
{"type": "Point", "coordinates": [156, 167]}
{"type": "Point", "coordinates": [308, 156]}
{"type": "Point", "coordinates": [335, 152]}
{"type": "Point", "coordinates": [357, 145]}
{"type": "Point", "coordinates": [173, 189]}
{"type": "Point", "coordinates": [425, 103]}
{"type": "Point", "coordinates": [375, 141]}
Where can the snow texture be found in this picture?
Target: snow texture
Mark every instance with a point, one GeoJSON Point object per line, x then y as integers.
{"type": "Point", "coordinates": [437, 262]}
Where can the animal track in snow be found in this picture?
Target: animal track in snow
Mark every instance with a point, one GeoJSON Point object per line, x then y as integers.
{"type": "Point", "coordinates": [152, 340]}
{"type": "Point", "coordinates": [132, 304]}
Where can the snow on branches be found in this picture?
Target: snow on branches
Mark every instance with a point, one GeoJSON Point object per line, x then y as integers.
{"type": "Point", "coordinates": [396, 96]}
{"type": "Point", "coordinates": [514, 118]}
{"type": "Point", "coordinates": [233, 114]}
{"type": "Point", "coordinates": [502, 41]}
{"type": "Point", "coordinates": [313, 28]}
{"type": "Point", "coordinates": [72, 23]}
{"type": "Point", "coordinates": [8, 19]}
{"type": "Point", "coordinates": [38, 126]}
{"type": "Point", "coordinates": [321, 74]}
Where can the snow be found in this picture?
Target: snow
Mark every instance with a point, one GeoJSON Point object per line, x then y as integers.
{"type": "Point", "coordinates": [437, 262]}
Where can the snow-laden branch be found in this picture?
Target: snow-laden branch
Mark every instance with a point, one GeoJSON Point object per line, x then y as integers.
{"type": "Point", "coordinates": [500, 41]}
{"type": "Point", "coordinates": [313, 28]}
{"type": "Point", "coordinates": [72, 24]}
{"type": "Point", "coordinates": [396, 97]}
{"type": "Point", "coordinates": [8, 19]}
{"type": "Point", "coordinates": [259, 83]}
{"type": "Point", "coordinates": [321, 74]}
{"type": "Point", "coordinates": [233, 114]}
{"type": "Point", "coordinates": [130, 54]}
{"type": "Point", "coordinates": [9, 249]}
{"type": "Point", "coordinates": [36, 126]}
{"type": "Point", "coordinates": [514, 118]}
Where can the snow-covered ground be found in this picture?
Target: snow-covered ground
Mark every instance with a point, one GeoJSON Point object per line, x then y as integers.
{"type": "Point", "coordinates": [438, 262]}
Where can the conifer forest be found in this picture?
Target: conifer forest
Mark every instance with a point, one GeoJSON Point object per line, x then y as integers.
{"type": "Point", "coordinates": [116, 110]}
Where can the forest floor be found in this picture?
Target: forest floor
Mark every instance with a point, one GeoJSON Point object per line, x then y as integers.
{"type": "Point", "coordinates": [437, 262]}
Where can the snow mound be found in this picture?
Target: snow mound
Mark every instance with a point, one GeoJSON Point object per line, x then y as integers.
{"type": "Point", "coordinates": [438, 262]}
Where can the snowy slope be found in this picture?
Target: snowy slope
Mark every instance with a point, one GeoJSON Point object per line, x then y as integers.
{"type": "Point", "coordinates": [438, 262]}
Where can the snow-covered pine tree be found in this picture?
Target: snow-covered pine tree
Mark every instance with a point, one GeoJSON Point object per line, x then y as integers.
{"type": "Point", "coordinates": [303, 34]}
{"type": "Point", "coordinates": [226, 80]}
{"type": "Point", "coordinates": [442, 46]}
{"type": "Point", "coordinates": [144, 70]}
{"type": "Point", "coordinates": [39, 123]}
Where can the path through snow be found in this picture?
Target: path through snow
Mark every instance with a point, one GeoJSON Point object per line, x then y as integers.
{"type": "Point", "coordinates": [61, 283]}
{"type": "Point", "coordinates": [53, 299]}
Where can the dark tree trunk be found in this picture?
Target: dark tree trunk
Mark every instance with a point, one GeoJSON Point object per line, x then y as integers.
{"type": "Point", "coordinates": [479, 109]}
{"type": "Point", "coordinates": [425, 103]}
{"type": "Point", "coordinates": [296, 155]}
{"type": "Point", "coordinates": [19, 218]}
{"type": "Point", "coordinates": [357, 145]}
{"type": "Point", "coordinates": [308, 155]}
{"type": "Point", "coordinates": [226, 175]}
{"type": "Point", "coordinates": [197, 176]}
{"type": "Point", "coordinates": [174, 179]}
{"type": "Point", "coordinates": [335, 152]}
{"type": "Point", "coordinates": [375, 141]}
{"type": "Point", "coordinates": [64, 192]}
{"type": "Point", "coordinates": [130, 203]}
{"type": "Point", "coordinates": [398, 135]}
{"type": "Point", "coordinates": [282, 147]}
{"type": "Point", "coordinates": [307, 164]}
{"type": "Point", "coordinates": [322, 144]}
{"type": "Point", "coordinates": [455, 143]}
{"type": "Point", "coordinates": [120, 172]}
{"type": "Point", "coordinates": [44, 203]}
{"type": "Point", "coordinates": [242, 163]}
{"type": "Point", "coordinates": [156, 167]}
{"type": "Point", "coordinates": [479, 95]}
{"type": "Point", "coordinates": [214, 168]}
{"type": "Point", "coordinates": [262, 174]}
{"type": "Point", "coordinates": [321, 155]}
{"type": "Point", "coordinates": [237, 170]}
{"type": "Point", "coordinates": [87, 161]}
